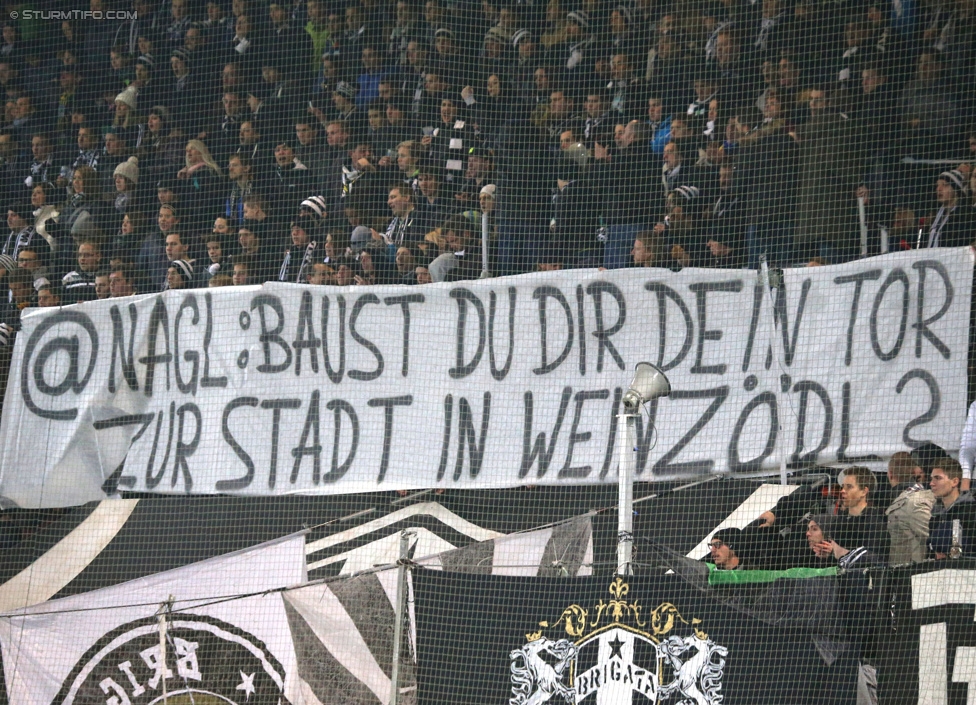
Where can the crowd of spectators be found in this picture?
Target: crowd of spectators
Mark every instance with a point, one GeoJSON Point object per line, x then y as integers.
{"type": "Point", "coordinates": [193, 144]}
{"type": "Point", "coordinates": [901, 519]}
{"type": "Point", "coordinates": [361, 142]}
{"type": "Point", "coordinates": [923, 510]}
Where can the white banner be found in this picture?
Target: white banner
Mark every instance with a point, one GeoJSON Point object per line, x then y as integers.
{"type": "Point", "coordinates": [494, 383]}
{"type": "Point", "coordinates": [105, 645]}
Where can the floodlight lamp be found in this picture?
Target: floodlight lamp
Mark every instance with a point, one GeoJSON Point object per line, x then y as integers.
{"type": "Point", "coordinates": [649, 383]}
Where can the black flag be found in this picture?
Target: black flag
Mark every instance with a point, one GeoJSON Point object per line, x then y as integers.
{"type": "Point", "coordinates": [495, 640]}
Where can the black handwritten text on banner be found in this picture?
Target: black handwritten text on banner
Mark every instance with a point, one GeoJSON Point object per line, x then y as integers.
{"type": "Point", "coordinates": [489, 383]}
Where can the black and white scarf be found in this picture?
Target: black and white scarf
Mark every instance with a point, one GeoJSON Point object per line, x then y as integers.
{"type": "Point", "coordinates": [935, 230]}
{"type": "Point", "coordinates": [398, 228]}
{"type": "Point", "coordinates": [89, 157]}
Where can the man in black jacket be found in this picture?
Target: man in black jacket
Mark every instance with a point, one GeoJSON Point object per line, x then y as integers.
{"type": "Point", "coordinates": [79, 284]}
{"type": "Point", "coordinates": [291, 179]}
{"type": "Point", "coordinates": [859, 522]}
{"type": "Point", "coordinates": [187, 92]}
{"type": "Point", "coordinates": [723, 224]}
{"type": "Point", "coordinates": [857, 526]}
{"type": "Point", "coordinates": [224, 134]}
{"type": "Point", "coordinates": [723, 549]}
{"type": "Point", "coordinates": [950, 506]}
{"type": "Point", "coordinates": [576, 210]}
{"type": "Point", "coordinates": [307, 247]}
{"type": "Point", "coordinates": [22, 232]}
{"type": "Point", "coordinates": [523, 196]}
{"type": "Point", "coordinates": [766, 164]}
{"type": "Point", "coordinates": [631, 202]}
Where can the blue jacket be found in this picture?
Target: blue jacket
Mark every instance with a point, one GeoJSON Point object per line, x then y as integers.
{"type": "Point", "coordinates": [662, 136]}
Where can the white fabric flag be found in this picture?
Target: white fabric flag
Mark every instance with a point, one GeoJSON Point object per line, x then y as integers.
{"type": "Point", "coordinates": [285, 389]}
{"type": "Point", "coordinates": [106, 646]}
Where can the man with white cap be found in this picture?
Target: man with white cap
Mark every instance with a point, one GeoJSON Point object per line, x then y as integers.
{"type": "Point", "coordinates": [526, 44]}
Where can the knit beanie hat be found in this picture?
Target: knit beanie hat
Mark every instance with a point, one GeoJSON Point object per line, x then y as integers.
{"type": "Point", "coordinates": [181, 54]}
{"type": "Point", "coordinates": [361, 236]}
{"type": "Point", "coordinates": [955, 179]}
{"type": "Point", "coordinates": [521, 36]}
{"type": "Point", "coordinates": [688, 193]}
{"type": "Point", "coordinates": [580, 17]}
{"type": "Point", "coordinates": [346, 89]}
{"type": "Point", "coordinates": [183, 267]}
{"type": "Point", "coordinates": [625, 13]}
{"type": "Point", "coordinates": [498, 35]}
{"type": "Point", "coordinates": [927, 454]}
{"type": "Point", "coordinates": [316, 204]}
{"type": "Point", "coordinates": [129, 169]}
{"type": "Point", "coordinates": [828, 523]}
{"type": "Point", "coordinates": [22, 208]}
{"type": "Point", "coordinates": [688, 197]}
{"type": "Point", "coordinates": [730, 536]}
{"type": "Point", "coordinates": [162, 111]}
{"type": "Point", "coordinates": [129, 97]}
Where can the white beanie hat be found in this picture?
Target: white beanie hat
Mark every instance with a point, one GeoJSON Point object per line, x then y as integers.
{"type": "Point", "coordinates": [129, 169]}
{"type": "Point", "coordinates": [129, 97]}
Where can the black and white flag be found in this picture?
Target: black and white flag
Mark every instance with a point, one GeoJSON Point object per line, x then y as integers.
{"type": "Point", "coordinates": [930, 646]}
{"type": "Point", "coordinates": [602, 640]}
{"type": "Point", "coordinates": [209, 644]}
{"type": "Point", "coordinates": [343, 630]}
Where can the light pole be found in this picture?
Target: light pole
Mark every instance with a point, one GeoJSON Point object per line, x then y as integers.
{"type": "Point", "coordinates": [649, 383]}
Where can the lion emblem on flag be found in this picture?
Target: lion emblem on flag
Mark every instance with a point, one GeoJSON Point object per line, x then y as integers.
{"type": "Point", "coordinates": [697, 676]}
{"type": "Point", "coordinates": [616, 653]}
{"type": "Point", "coordinates": [534, 680]}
